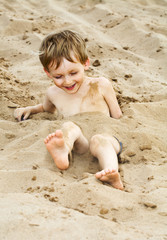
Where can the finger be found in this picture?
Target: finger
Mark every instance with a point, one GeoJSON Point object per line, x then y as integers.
{"type": "Point", "coordinates": [19, 115]}
{"type": "Point", "coordinates": [16, 114]}
{"type": "Point", "coordinates": [26, 116]}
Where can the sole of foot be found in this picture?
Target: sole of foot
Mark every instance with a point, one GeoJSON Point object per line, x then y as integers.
{"type": "Point", "coordinates": [110, 176]}
{"type": "Point", "coordinates": [57, 148]}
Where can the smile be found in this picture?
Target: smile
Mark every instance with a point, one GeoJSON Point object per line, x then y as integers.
{"type": "Point", "coordinates": [71, 87]}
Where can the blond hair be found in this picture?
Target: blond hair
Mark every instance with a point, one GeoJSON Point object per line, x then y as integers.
{"type": "Point", "coordinates": [57, 46]}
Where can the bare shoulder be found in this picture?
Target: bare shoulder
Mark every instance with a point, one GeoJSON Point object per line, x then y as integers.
{"type": "Point", "coordinates": [51, 91]}
{"type": "Point", "coordinates": [106, 86]}
{"type": "Point", "coordinates": [51, 94]}
{"type": "Point", "coordinates": [100, 80]}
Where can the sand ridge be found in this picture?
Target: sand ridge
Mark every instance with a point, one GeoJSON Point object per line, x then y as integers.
{"type": "Point", "coordinates": [127, 43]}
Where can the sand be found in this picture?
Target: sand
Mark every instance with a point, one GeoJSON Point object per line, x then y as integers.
{"type": "Point", "coordinates": [127, 43]}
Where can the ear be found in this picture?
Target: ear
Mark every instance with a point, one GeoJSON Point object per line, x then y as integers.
{"type": "Point", "coordinates": [87, 64]}
{"type": "Point", "coordinates": [48, 74]}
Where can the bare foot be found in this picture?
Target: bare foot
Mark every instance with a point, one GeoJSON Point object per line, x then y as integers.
{"type": "Point", "coordinates": [110, 176]}
{"type": "Point", "coordinates": [59, 151]}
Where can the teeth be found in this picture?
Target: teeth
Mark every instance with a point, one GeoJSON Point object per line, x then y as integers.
{"type": "Point", "coordinates": [71, 86]}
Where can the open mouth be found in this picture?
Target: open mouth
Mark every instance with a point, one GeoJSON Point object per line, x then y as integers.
{"type": "Point", "coordinates": [71, 87]}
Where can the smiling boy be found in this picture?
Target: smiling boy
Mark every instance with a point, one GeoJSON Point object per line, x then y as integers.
{"type": "Point", "coordinates": [65, 60]}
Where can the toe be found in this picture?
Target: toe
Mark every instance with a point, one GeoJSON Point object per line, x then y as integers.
{"type": "Point", "coordinates": [47, 139]}
{"type": "Point", "coordinates": [59, 133]}
{"type": "Point", "coordinates": [103, 173]}
{"type": "Point", "coordinates": [107, 171]}
{"type": "Point", "coordinates": [98, 174]}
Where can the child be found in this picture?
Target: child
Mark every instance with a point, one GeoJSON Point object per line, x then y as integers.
{"type": "Point", "coordinates": [65, 60]}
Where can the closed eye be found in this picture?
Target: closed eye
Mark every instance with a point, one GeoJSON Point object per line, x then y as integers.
{"type": "Point", "coordinates": [73, 73]}
{"type": "Point", "coordinates": [58, 77]}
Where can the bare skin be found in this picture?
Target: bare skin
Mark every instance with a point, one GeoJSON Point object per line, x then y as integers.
{"type": "Point", "coordinates": [58, 149]}
{"type": "Point", "coordinates": [105, 149]}
{"type": "Point", "coordinates": [83, 94]}
{"type": "Point", "coordinates": [110, 176]}
{"type": "Point", "coordinates": [71, 94]}
{"type": "Point", "coordinates": [61, 143]}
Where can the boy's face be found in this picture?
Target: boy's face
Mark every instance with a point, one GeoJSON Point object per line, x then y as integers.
{"type": "Point", "coordinates": [69, 76]}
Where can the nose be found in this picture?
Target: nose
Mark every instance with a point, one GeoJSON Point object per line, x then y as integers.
{"type": "Point", "coordinates": [68, 79]}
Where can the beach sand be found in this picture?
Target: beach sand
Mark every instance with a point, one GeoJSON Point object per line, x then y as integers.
{"type": "Point", "coordinates": [127, 43]}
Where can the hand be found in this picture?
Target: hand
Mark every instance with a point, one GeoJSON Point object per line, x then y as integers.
{"type": "Point", "coordinates": [22, 113]}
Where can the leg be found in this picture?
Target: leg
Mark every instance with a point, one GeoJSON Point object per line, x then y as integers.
{"type": "Point", "coordinates": [106, 148]}
{"type": "Point", "coordinates": [61, 143]}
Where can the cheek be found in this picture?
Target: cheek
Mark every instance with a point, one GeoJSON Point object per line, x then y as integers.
{"type": "Point", "coordinates": [79, 77]}
{"type": "Point", "coordinates": [58, 83]}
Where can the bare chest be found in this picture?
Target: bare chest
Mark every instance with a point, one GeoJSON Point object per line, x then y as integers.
{"type": "Point", "coordinates": [91, 100]}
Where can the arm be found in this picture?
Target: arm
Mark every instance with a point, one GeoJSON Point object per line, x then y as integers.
{"type": "Point", "coordinates": [23, 113]}
{"type": "Point", "coordinates": [111, 100]}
